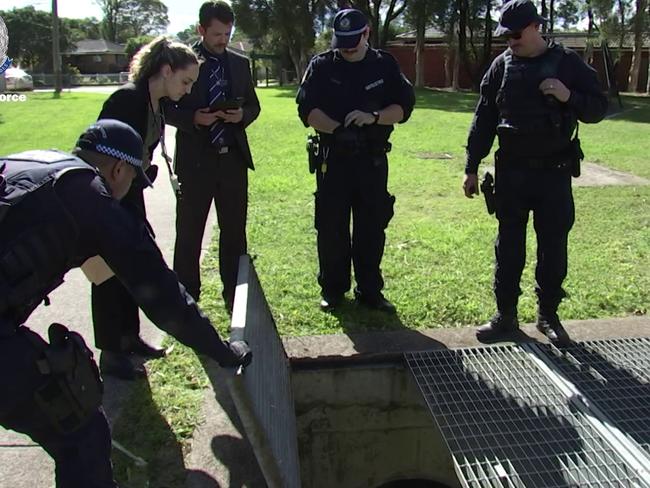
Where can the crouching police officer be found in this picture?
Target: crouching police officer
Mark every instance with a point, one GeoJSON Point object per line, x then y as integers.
{"type": "Point", "coordinates": [352, 95]}
{"type": "Point", "coordinates": [531, 98]}
{"type": "Point", "coordinates": [57, 210]}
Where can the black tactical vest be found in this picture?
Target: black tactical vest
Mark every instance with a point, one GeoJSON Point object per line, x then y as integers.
{"type": "Point", "coordinates": [38, 237]}
{"type": "Point", "coordinates": [530, 123]}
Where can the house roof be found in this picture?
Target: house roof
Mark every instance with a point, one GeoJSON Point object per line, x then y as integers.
{"type": "Point", "coordinates": [96, 46]}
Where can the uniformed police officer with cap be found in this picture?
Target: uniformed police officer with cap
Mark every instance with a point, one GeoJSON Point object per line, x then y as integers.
{"type": "Point", "coordinates": [56, 210]}
{"type": "Point", "coordinates": [352, 95]}
{"type": "Point", "coordinates": [531, 98]}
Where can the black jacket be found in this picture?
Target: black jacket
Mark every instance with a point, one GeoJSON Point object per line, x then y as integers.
{"type": "Point", "coordinates": [192, 142]}
{"type": "Point", "coordinates": [100, 226]}
{"type": "Point", "coordinates": [130, 104]}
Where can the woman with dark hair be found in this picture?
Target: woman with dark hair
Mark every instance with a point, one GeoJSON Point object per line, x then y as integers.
{"type": "Point", "coordinates": [160, 70]}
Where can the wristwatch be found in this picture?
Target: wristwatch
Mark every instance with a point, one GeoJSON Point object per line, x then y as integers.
{"type": "Point", "coordinates": [375, 114]}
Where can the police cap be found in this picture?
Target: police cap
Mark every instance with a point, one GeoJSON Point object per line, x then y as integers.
{"type": "Point", "coordinates": [349, 25]}
{"type": "Point", "coordinates": [116, 139]}
{"type": "Point", "coordinates": [516, 15]}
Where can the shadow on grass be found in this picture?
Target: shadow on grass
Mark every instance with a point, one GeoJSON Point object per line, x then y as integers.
{"type": "Point", "coordinates": [375, 332]}
{"type": "Point", "coordinates": [142, 430]}
{"type": "Point", "coordinates": [635, 109]}
{"type": "Point", "coordinates": [234, 453]}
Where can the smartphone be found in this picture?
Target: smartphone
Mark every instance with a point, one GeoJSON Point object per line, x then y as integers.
{"type": "Point", "coordinates": [232, 104]}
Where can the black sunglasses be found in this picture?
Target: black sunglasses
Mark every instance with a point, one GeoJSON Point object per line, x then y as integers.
{"type": "Point", "coordinates": [513, 35]}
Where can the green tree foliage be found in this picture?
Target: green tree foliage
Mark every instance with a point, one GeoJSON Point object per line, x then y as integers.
{"type": "Point", "coordinates": [81, 29]}
{"type": "Point", "coordinates": [124, 19]}
{"type": "Point", "coordinates": [134, 44]}
{"type": "Point", "coordinates": [285, 25]}
{"type": "Point", "coordinates": [189, 35]}
{"type": "Point", "coordinates": [30, 37]}
{"type": "Point", "coordinates": [381, 14]}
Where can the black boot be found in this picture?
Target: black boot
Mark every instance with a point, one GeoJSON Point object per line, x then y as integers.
{"type": "Point", "coordinates": [133, 344]}
{"type": "Point", "coordinates": [548, 323]}
{"type": "Point", "coordinates": [502, 325]}
{"type": "Point", "coordinates": [376, 302]}
{"type": "Point", "coordinates": [119, 365]}
{"type": "Point", "coordinates": [329, 302]}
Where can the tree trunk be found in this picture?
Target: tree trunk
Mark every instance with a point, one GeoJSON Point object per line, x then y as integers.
{"type": "Point", "coordinates": [647, 88]}
{"type": "Point", "coordinates": [635, 67]}
{"type": "Point", "coordinates": [487, 38]}
{"type": "Point", "coordinates": [551, 16]}
{"type": "Point", "coordinates": [419, 50]}
{"type": "Point", "coordinates": [462, 39]}
{"type": "Point", "coordinates": [455, 82]}
{"type": "Point", "coordinates": [621, 13]}
{"type": "Point", "coordinates": [450, 56]}
{"type": "Point", "coordinates": [376, 20]}
{"type": "Point", "coordinates": [544, 14]}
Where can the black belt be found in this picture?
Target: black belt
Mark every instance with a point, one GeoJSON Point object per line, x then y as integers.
{"type": "Point", "coordinates": [558, 161]}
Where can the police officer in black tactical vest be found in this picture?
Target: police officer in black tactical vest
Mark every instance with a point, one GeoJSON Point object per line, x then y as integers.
{"type": "Point", "coordinates": [352, 95]}
{"type": "Point", "coordinates": [56, 211]}
{"type": "Point", "coordinates": [532, 97]}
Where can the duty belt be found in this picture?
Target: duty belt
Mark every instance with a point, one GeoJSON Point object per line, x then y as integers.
{"type": "Point", "coordinates": [558, 161]}
{"type": "Point", "coordinates": [361, 148]}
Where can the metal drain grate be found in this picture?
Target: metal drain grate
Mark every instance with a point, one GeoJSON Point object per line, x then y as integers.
{"type": "Point", "coordinates": [508, 425]}
{"type": "Point", "coordinates": [615, 376]}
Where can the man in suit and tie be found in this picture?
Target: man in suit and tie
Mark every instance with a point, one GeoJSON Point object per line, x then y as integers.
{"type": "Point", "coordinates": [212, 153]}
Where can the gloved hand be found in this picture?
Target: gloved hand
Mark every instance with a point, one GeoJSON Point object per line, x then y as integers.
{"type": "Point", "coordinates": [239, 355]}
{"type": "Point", "coordinates": [346, 136]}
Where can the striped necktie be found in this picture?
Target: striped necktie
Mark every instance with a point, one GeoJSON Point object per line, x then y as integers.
{"type": "Point", "coordinates": [216, 92]}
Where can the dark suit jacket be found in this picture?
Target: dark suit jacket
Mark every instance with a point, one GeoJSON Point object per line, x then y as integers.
{"type": "Point", "coordinates": [130, 104]}
{"type": "Point", "coordinates": [192, 142]}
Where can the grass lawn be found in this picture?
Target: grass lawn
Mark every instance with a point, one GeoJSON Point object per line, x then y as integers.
{"type": "Point", "coordinates": [439, 259]}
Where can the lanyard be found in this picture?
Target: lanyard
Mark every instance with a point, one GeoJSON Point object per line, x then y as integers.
{"type": "Point", "coordinates": [173, 179]}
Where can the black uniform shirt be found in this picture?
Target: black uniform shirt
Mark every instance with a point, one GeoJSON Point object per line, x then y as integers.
{"type": "Point", "coordinates": [106, 228]}
{"type": "Point", "coordinates": [587, 100]}
{"type": "Point", "coordinates": [337, 87]}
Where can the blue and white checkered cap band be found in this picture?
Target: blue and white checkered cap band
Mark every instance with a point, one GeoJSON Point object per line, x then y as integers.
{"type": "Point", "coordinates": [109, 151]}
{"type": "Point", "coordinates": [350, 33]}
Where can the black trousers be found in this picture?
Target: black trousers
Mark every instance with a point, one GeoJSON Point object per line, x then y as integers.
{"type": "Point", "coordinates": [223, 180]}
{"type": "Point", "coordinates": [115, 313]}
{"type": "Point", "coordinates": [547, 193]}
{"type": "Point", "coordinates": [82, 458]}
{"type": "Point", "coordinates": [352, 185]}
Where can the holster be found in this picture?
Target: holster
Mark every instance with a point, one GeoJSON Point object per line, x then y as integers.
{"type": "Point", "coordinates": [314, 152]}
{"type": "Point", "coordinates": [73, 391]}
{"type": "Point", "coordinates": [576, 157]}
{"type": "Point", "coordinates": [487, 187]}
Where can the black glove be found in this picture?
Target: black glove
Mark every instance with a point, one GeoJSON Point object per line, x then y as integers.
{"type": "Point", "coordinates": [346, 136]}
{"type": "Point", "coordinates": [239, 354]}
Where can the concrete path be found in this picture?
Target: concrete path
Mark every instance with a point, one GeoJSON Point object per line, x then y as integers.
{"type": "Point", "coordinates": [22, 463]}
